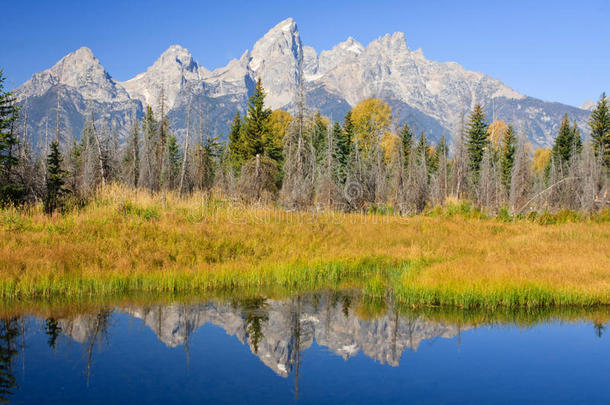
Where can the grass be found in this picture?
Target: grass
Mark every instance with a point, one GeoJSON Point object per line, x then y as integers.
{"type": "Point", "coordinates": [128, 241]}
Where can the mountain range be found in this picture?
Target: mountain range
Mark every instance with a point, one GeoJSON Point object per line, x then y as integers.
{"type": "Point", "coordinates": [430, 96]}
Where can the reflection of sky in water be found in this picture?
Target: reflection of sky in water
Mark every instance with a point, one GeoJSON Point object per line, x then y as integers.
{"type": "Point", "coordinates": [323, 350]}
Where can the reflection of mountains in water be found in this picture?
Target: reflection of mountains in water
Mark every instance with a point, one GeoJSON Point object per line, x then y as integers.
{"type": "Point", "coordinates": [277, 331]}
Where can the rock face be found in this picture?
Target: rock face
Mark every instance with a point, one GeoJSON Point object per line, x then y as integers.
{"type": "Point", "coordinates": [429, 95]}
{"type": "Point", "coordinates": [172, 73]}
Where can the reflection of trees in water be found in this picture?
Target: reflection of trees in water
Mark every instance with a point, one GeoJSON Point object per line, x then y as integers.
{"type": "Point", "coordinates": [296, 337]}
{"type": "Point", "coordinates": [89, 330]}
{"type": "Point", "coordinates": [600, 328]}
{"type": "Point", "coordinates": [52, 330]}
{"type": "Point", "coordinates": [98, 335]}
{"type": "Point", "coordinates": [346, 303]}
{"type": "Point", "coordinates": [9, 332]}
{"type": "Point", "coordinates": [255, 314]}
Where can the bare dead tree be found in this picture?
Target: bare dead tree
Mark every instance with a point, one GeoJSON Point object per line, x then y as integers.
{"type": "Point", "coordinates": [488, 185]}
{"type": "Point", "coordinates": [299, 154]}
{"type": "Point", "coordinates": [417, 181]}
{"type": "Point", "coordinates": [258, 181]}
{"type": "Point", "coordinates": [100, 155]}
{"type": "Point", "coordinates": [398, 183]}
{"type": "Point", "coordinates": [328, 192]}
{"type": "Point", "coordinates": [185, 148]}
{"type": "Point", "coordinates": [521, 177]}
{"type": "Point", "coordinates": [459, 173]}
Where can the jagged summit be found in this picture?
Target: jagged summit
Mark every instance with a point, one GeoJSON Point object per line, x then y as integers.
{"type": "Point", "coordinates": [430, 95]}
{"type": "Point", "coordinates": [275, 58]}
{"type": "Point", "coordinates": [79, 70]}
{"type": "Point", "coordinates": [170, 73]}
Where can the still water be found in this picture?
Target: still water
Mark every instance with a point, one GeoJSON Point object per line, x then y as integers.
{"type": "Point", "coordinates": [316, 348]}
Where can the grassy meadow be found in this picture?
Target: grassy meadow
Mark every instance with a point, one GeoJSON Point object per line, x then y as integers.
{"type": "Point", "coordinates": [128, 241]}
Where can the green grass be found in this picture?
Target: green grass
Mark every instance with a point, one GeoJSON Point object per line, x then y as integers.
{"type": "Point", "coordinates": [127, 241]}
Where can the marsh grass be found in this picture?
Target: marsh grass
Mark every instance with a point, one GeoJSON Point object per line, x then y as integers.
{"type": "Point", "coordinates": [127, 241]}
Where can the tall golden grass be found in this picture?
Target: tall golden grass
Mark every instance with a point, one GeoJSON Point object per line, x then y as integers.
{"type": "Point", "coordinates": [128, 240]}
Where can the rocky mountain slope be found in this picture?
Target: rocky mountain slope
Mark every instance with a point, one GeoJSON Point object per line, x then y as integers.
{"type": "Point", "coordinates": [431, 96]}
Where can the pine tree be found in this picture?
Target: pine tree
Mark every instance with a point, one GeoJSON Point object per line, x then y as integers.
{"type": "Point", "coordinates": [442, 176]}
{"type": "Point", "coordinates": [206, 152]}
{"type": "Point", "coordinates": [274, 145]}
{"type": "Point", "coordinates": [600, 129]}
{"type": "Point", "coordinates": [75, 156]}
{"type": "Point", "coordinates": [257, 125]}
{"type": "Point", "coordinates": [406, 138]}
{"type": "Point", "coordinates": [343, 139]}
{"type": "Point", "coordinates": [319, 136]}
{"type": "Point", "coordinates": [477, 139]}
{"type": "Point", "coordinates": [55, 179]}
{"type": "Point", "coordinates": [10, 190]}
{"type": "Point", "coordinates": [565, 143]}
{"type": "Point", "coordinates": [161, 146]}
{"type": "Point", "coordinates": [576, 139]}
{"type": "Point", "coordinates": [235, 150]}
{"type": "Point", "coordinates": [132, 156]}
{"type": "Point", "coordinates": [149, 131]}
{"type": "Point", "coordinates": [507, 159]}
{"type": "Point", "coordinates": [174, 157]}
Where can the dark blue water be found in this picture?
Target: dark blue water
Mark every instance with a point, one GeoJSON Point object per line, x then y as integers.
{"type": "Point", "coordinates": [315, 349]}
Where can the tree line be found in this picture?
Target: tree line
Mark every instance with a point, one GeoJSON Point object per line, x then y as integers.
{"type": "Point", "coordinates": [363, 163]}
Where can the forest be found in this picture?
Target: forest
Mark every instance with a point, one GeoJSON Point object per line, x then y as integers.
{"type": "Point", "coordinates": [367, 163]}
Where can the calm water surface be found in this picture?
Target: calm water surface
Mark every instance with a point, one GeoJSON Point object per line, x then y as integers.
{"type": "Point", "coordinates": [318, 348]}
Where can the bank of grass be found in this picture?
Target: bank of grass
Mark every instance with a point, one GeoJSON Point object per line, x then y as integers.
{"type": "Point", "coordinates": [129, 241]}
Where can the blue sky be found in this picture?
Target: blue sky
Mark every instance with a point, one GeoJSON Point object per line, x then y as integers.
{"type": "Point", "coordinates": [554, 50]}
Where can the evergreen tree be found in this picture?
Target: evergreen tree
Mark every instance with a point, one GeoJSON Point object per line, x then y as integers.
{"type": "Point", "coordinates": [55, 179]}
{"type": "Point", "coordinates": [161, 146]}
{"type": "Point", "coordinates": [507, 159]}
{"type": "Point", "coordinates": [442, 175]}
{"type": "Point", "coordinates": [406, 137]}
{"type": "Point", "coordinates": [342, 150]}
{"type": "Point", "coordinates": [257, 125]}
{"type": "Point", "coordinates": [75, 156]}
{"type": "Point", "coordinates": [10, 190]}
{"type": "Point", "coordinates": [348, 127]}
{"type": "Point", "coordinates": [174, 158]}
{"type": "Point", "coordinates": [149, 131]}
{"type": "Point", "coordinates": [442, 149]}
{"type": "Point", "coordinates": [422, 147]}
{"type": "Point", "coordinates": [132, 154]}
{"type": "Point", "coordinates": [343, 140]}
{"type": "Point", "coordinates": [600, 129]}
{"type": "Point", "coordinates": [318, 136]}
{"type": "Point", "coordinates": [274, 145]}
{"type": "Point", "coordinates": [206, 153]}
{"type": "Point", "coordinates": [567, 143]}
{"type": "Point", "coordinates": [235, 150]}
{"type": "Point", "coordinates": [477, 139]}
{"type": "Point", "coordinates": [576, 138]}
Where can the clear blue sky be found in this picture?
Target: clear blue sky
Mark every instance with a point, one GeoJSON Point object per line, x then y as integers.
{"type": "Point", "coordinates": [554, 50]}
